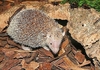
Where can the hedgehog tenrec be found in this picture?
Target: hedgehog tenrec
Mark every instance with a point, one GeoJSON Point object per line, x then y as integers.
{"type": "Point", "coordinates": [35, 29]}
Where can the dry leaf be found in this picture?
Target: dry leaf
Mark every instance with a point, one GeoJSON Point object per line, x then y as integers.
{"type": "Point", "coordinates": [3, 62]}
{"type": "Point", "coordinates": [31, 66]}
{"type": "Point", "coordinates": [33, 56]}
{"type": "Point", "coordinates": [10, 63]}
{"type": "Point", "coordinates": [11, 42]}
{"type": "Point", "coordinates": [7, 46]}
{"type": "Point", "coordinates": [70, 65]}
{"type": "Point", "coordinates": [86, 62]}
{"type": "Point", "coordinates": [8, 6]}
{"type": "Point", "coordinates": [10, 1]}
{"type": "Point", "coordinates": [79, 57]}
{"type": "Point", "coordinates": [19, 55]}
{"type": "Point", "coordinates": [44, 55]}
{"type": "Point", "coordinates": [45, 66]}
{"type": "Point", "coordinates": [3, 43]}
{"type": "Point", "coordinates": [8, 52]}
{"type": "Point", "coordinates": [1, 55]}
{"type": "Point", "coordinates": [45, 52]}
{"type": "Point", "coordinates": [16, 68]}
{"type": "Point", "coordinates": [64, 44]}
{"type": "Point", "coordinates": [3, 38]}
{"type": "Point", "coordinates": [0, 2]}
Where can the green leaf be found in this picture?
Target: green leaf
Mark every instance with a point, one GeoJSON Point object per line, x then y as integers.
{"type": "Point", "coordinates": [81, 2]}
{"type": "Point", "coordinates": [64, 1]}
{"type": "Point", "coordinates": [91, 3]}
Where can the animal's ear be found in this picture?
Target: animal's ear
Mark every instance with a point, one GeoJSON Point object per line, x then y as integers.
{"type": "Point", "coordinates": [63, 33]}
{"type": "Point", "coordinates": [64, 29]}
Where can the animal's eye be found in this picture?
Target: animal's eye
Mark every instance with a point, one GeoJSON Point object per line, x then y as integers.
{"type": "Point", "coordinates": [50, 43]}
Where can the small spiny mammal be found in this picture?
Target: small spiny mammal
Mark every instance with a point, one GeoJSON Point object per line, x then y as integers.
{"type": "Point", "coordinates": [34, 29]}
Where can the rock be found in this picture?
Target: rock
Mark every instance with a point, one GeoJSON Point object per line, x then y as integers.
{"type": "Point", "coordinates": [84, 27]}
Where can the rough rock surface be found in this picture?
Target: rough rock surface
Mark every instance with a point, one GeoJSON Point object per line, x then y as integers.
{"type": "Point", "coordinates": [84, 27]}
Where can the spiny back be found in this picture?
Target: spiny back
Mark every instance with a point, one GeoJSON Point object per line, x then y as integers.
{"type": "Point", "coordinates": [30, 27]}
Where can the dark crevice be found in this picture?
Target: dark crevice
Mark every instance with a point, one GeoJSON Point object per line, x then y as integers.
{"type": "Point", "coordinates": [55, 3]}
{"type": "Point", "coordinates": [62, 22]}
{"type": "Point", "coordinates": [77, 45]}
